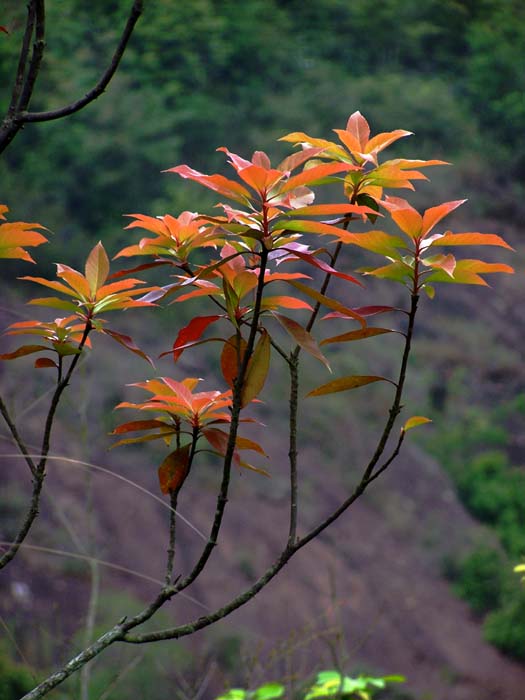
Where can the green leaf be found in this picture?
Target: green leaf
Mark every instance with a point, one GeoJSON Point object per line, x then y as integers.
{"type": "Point", "coordinates": [357, 335]}
{"type": "Point", "coordinates": [302, 337]}
{"type": "Point", "coordinates": [376, 242]}
{"type": "Point", "coordinates": [414, 422]}
{"type": "Point", "coordinates": [234, 694]}
{"type": "Point", "coordinates": [397, 271]}
{"type": "Point", "coordinates": [257, 370]}
{"type": "Point", "coordinates": [97, 268]}
{"type": "Point", "coordinates": [346, 383]}
{"type": "Point", "coordinates": [268, 691]}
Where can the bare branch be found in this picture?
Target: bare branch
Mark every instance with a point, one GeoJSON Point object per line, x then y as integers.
{"type": "Point", "coordinates": [23, 87]}
{"type": "Point", "coordinates": [100, 87]}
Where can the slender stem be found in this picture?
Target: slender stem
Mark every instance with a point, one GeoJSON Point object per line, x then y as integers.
{"type": "Point", "coordinates": [39, 471]}
{"type": "Point", "coordinates": [222, 497]}
{"type": "Point", "coordinates": [22, 61]}
{"type": "Point", "coordinates": [36, 57]}
{"type": "Point", "coordinates": [16, 436]}
{"type": "Point", "coordinates": [172, 535]}
{"type": "Point", "coordinates": [292, 452]}
{"type": "Point", "coordinates": [17, 115]}
{"type": "Point", "coordinates": [292, 548]}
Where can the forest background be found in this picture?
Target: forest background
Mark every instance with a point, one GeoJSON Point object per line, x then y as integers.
{"type": "Point", "coordinates": [381, 592]}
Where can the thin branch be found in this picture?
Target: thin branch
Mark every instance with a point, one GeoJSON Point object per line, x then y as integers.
{"type": "Point", "coordinates": [292, 452]}
{"type": "Point", "coordinates": [103, 470]}
{"type": "Point", "coordinates": [39, 472]}
{"type": "Point", "coordinates": [16, 436]}
{"type": "Point", "coordinates": [172, 534]}
{"type": "Point", "coordinates": [16, 116]}
{"type": "Point", "coordinates": [36, 57]}
{"type": "Point", "coordinates": [222, 497]}
{"type": "Point", "coordinates": [22, 61]}
{"type": "Point", "coordinates": [106, 77]}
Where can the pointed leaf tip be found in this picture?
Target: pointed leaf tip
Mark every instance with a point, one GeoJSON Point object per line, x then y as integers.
{"type": "Point", "coordinates": [414, 422]}
{"type": "Point", "coordinates": [345, 384]}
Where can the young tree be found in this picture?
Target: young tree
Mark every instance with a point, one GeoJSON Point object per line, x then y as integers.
{"type": "Point", "coordinates": [273, 231]}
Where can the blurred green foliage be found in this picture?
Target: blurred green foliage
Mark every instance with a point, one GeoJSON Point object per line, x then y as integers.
{"type": "Point", "coordinates": [202, 74]}
{"type": "Point", "coordinates": [492, 488]}
{"type": "Point", "coordinates": [15, 679]}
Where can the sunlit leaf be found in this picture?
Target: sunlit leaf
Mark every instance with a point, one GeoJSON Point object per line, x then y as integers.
{"type": "Point", "coordinates": [453, 239]}
{"type": "Point", "coordinates": [414, 422]}
{"type": "Point", "coordinates": [97, 268]}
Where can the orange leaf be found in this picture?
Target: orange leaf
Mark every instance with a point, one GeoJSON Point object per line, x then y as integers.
{"type": "Point", "coordinates": [472, 238]}
{"type": "Point", "coordinates": [433, 215]}
{"type": "Point", "coordinates": [231, 357]}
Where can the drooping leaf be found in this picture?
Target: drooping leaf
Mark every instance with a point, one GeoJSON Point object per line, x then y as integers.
{"type": "Point", "coordinates": [257, 369]}
{"type": "Point", "coordinates": [345, 384]}
{"type": "Point", "coordinates": [327, 301]}
{"type": "Point", "coordinates": [414, 421]}
{"type": "Point", "coordinates": [22, 351]}
{"type": "Point", "coordinates": [302, 337]}
{"type": "Point", "coordinates": [174, 470]}
{"type": "Point", "coordinates": [231, 357]}
{"type": "Point", "coordinates": [44, 362]}
{"type": "Point", "coordinates": [128, 343]}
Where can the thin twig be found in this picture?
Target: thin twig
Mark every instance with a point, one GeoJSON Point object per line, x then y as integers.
{"type": "Point", "coordinates": [135, 12]}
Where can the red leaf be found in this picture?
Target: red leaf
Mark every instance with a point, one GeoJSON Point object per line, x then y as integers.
{"type": "Point", "coordinates": [174, 470]}
{"type": "Point", "coordinates": [138, 425]}
{"type": "Point", "coordinates": [231, 357]}
{"type": "Point", "coordinates": [45, 362]}
{"type": "Point", "coordinates": [191, 332]}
